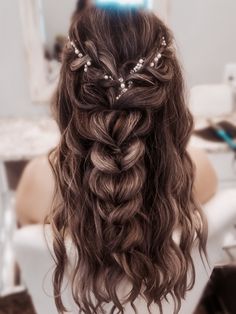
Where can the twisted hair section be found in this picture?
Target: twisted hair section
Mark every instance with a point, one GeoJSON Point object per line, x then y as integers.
{"type": "Point", "coordinates": [123, 174]}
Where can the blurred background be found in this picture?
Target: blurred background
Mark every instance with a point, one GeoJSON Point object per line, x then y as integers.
{"type": "Point", "coordinates": [33, 33]}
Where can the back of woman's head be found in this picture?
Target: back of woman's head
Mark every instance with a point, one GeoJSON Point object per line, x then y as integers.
{"type": "Point", "coordinates": [123, 174]}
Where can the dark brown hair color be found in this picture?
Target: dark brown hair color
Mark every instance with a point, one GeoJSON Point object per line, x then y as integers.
{"type": "Point", "coordinates": [123, 174]}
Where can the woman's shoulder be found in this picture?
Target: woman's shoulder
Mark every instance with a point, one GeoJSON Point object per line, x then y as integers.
{"type": "Point", "coordinates": [206, 180]}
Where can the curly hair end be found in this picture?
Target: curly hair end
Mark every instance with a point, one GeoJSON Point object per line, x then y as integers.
{"type": "Point", "coordinates": [123, 174]}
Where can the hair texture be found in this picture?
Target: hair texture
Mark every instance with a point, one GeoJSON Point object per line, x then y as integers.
{"type": "Point", "coordinates": [123, 175]}
{"type": "Point", "coordinates": [81, 5]}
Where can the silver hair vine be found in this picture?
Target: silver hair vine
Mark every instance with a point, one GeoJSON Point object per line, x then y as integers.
{"type": "Point", "coordinates": [80, 55]}
{"type": "Point", "coordinates": [158, 55]}
{"type": "Point", "coordinates": [123, 86]}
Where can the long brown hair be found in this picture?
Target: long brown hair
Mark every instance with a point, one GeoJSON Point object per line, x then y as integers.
{"type": "Point", "coordinates": [123, 175]}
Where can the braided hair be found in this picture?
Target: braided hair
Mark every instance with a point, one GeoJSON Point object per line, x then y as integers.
{"type": "Point", "coordinates": [123, 174]}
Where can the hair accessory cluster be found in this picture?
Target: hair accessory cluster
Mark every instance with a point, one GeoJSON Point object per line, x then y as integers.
{"type": "Point", "coordinates": [124, 86]}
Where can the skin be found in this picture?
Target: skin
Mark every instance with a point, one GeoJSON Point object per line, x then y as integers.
{"type": "Point", "coordinates": [206, 181]}
{"type": "Point", "coordinates": [34, 195]}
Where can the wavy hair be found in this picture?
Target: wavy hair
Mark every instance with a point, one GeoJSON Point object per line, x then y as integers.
{"type": "Point", "coordinates": [123, 174]}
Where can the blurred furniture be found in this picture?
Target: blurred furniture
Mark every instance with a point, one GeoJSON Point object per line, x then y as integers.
{"type": "Point", "coordinates": [219, 294]}
{"type": "Point", "coordinates": [222, 159]}
{"type": "Point", "coordinates": [18, 302]}
{"type": "Point", "coordinates": [33, 253]}
{"type": "Point", "coordinates": [21, 140]}
{"type": "Point", "coordinates": [211, 100]}
{"type": "Point", "coordinates": [215, 102]}
{"type": "Point", "coordinates": [230, 75]}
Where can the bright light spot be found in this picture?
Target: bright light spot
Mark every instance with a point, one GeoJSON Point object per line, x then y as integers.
{"type": "Point", "coordinates": [127, 3]}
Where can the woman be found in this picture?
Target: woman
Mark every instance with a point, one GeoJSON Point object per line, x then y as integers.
{"type": "Point", "coordinates": [123, 175]}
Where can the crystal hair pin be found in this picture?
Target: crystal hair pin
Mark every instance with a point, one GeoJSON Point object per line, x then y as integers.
{"type": "Point", "coordinates": [123, 86]}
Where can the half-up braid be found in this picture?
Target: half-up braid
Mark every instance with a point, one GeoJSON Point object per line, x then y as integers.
{"type": "Point", "coordinates": [123, 175]}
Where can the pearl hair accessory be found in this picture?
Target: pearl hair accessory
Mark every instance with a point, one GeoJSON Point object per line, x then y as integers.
{"type": "Point", "coordinates": [107, 77]}
{"type": "Point", "coordinates": [80, 55]}
{"type": "Point", "coordinates": [88, 64]}
{"type": "Point", "coordinates": [156, 59]}
{"type": "Point", "coordinates": [163, 43]}
{"type": "Point", "coordinates": [158, 55]}
{"type": "Point", "coordinates": [123, 86]}
{"type": "Point", "coordinates": [138, 66]}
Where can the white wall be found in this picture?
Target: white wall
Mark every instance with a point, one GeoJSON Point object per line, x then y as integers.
{"type": "Point", "coordinates": [205, 33]}
{"type": "Point", "coordinates": [14, 89]}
